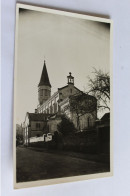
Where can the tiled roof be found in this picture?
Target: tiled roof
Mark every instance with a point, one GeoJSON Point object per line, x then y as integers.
{"type": "Point", "coordinates": [38, 117]}
{"type": "Point", "coordinates": [44, 77]}
{"type": "Point", "coordinates": [62, 87]}
{"type": "Point", "coordinates": [55, 116]}
{"type": "Point", "coordinates": [67, 86]}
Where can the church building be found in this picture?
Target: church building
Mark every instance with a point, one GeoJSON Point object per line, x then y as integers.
{"type": "Point", "coordinates": [51, 108]}
{"type": "Point", "coordinates": [59, 102]}
{"type": "Point", "coordinates": [51, 104]}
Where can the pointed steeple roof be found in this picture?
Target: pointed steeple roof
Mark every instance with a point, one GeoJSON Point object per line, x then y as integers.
{"type": "Point", "coordinates": [44, 77]}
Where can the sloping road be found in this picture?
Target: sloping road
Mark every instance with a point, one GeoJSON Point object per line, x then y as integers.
{"type": "Point", "coordinates": [39, 165]}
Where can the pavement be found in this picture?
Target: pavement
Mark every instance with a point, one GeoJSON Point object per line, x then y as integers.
{"type": "Point", "coordinates": [38, 164]}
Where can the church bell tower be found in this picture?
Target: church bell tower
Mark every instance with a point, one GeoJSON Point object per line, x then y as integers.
{"type": "Point", "coordinates": [70, 79]}
{"type": "Point", "coordinates": [44, 87]}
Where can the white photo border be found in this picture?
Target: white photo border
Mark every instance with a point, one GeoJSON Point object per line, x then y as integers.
{"type": "Point", "coordinates": [74, 178]}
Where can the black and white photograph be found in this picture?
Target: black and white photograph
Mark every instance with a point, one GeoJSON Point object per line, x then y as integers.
{"type": "Point", "coordinates": [62, 97]}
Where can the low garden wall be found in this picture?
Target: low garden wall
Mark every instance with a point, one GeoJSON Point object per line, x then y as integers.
{"type": "Point", "coordinates": [85, 142]}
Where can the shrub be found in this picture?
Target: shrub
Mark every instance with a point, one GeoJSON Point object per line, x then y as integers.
{"type": "Point", "coordinates": [66, 126]}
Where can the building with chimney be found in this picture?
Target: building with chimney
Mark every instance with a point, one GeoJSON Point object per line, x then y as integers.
{"type": "Point", "coordinates": [48, 103]}
{"type": "Point", "coordinates": [51, 107]}
{"type": "Point", "coordinates": [59, 102]}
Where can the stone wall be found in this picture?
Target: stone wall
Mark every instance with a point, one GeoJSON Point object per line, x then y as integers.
{"type": "Point", "coordinates": [52, 125]}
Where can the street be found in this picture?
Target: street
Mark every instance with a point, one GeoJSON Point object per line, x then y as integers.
{"type": "Point", "coordinates": [33, 164]}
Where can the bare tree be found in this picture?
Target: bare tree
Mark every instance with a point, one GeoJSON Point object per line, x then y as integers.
{"type": "Point", "coordinates": [82, 104]}
{"type": "Point", "coordinates": [100, 88]}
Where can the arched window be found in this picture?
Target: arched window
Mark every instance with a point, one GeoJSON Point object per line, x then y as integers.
{"type": "Point", "coordinates": [50, 109]}
{"type": "Point", "coordinates": [56, 107]}
{"type": "Point", "coordinates": [45, 92]}
{"type": "Point", "coordinates": [88, 122]}
{"type": "Point", "coordinates": [41, 92]}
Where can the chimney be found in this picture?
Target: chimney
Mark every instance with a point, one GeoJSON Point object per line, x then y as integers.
{"type": "Point", "coordinates": [35, 111]}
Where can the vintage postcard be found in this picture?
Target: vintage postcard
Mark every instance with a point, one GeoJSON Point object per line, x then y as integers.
{"type": "Point", "coordinates": [62, 97]}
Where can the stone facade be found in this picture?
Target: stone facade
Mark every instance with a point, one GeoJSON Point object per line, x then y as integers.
{"type": "Point", "coordinates": [35, 125]}
{"type": "Point", "coordinates": [48, 113]}
{"type": "Point", "coordinates": [52, 104]}
{"type": "Point", "coordinates": [44, 92]}
{"type": "Point", "coordinates": [59, 103]}
{"type": "Point", "coordinates": [53, 122]}
{"type": "Point", "coordinates": [44, 86]}
{"type": "Point", "coordinates": [86, 120]}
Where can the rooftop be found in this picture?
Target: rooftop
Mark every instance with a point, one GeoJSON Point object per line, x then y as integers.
{"type": "Point", "coordinates": [44, 77]}
{"type": "Point", "coordinates": [38, 116]}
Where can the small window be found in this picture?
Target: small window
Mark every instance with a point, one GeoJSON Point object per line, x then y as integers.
{"type": "Point", "coordinates": [88, 122]}
{"type": "Point", "coordinates": [55, 107]}
{"type": "Point", "coordinates": [37, 125]}
{"type": "Point", "coordinates": [70, 90]}
{"type": "Point", "coordinates": [41, 92]}
{"type": "Point", "coordinates": [50, 109]}
{"type": "Point", "coordinates": [45, 92]}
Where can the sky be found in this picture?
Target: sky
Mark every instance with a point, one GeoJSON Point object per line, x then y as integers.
{"type": "Point", "coordinates": [67, 44]}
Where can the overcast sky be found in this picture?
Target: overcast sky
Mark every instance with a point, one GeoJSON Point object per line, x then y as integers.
{"type": "Point", "coordinates": [67, 44]}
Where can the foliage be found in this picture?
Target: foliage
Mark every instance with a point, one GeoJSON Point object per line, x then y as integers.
{"type": "Point", "coordinates": [100, 88]}
{"type": "Point", "coordinates": [66, 126]}
{"type": "Point", "coordinates": [82, 104]}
